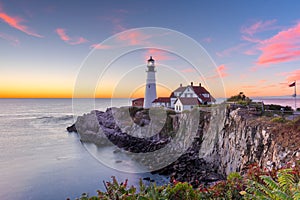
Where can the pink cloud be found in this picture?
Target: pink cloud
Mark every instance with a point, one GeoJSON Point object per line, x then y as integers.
{"type": "Point", "coordinates": [293, 76]}
{"type": "Point", "coordinates": [249, 86]}
{"type": "Point", "coordinates": [207, 39]}
{"type": "Point", "coordinates": [251, 39]}
{"type": "Point", "coordinates": [247, 36]}
{"type": "Point", "coordinates": [157, 54]}
{"type": "Point", "coordinates": [259, 26]}
{"type": "Point", "coordinates": [243, 76]}
{"type": "Point", "coordinates": [269, 86]}
{"type": "Point", "coordinates": [101, 46]}
{"type": "Point", "coordinates": [251, 52]}
{"type": "Point", "coordinates": [188, 70]}
{"type": "Point", "coordinates": [13, 40]}
{"type": "Point", "coordinates": [134, 38]}
{"type": "Point", "coordinates": [73, 41]}
{"type": "Point", "coordinates": [116, 20]}
{"type": "Point", "coordinates": [229, 51]}
{"type": "Point", "coordinates": [16, 22]}
{"type": "Point", "coordinates": [117, 24]}
{"type": "Point", "coordinates": [220, 72]}
{"type": "Point", "coordinates": [62, 34]}
{"type": "Point", "coordinates": [282, 47]}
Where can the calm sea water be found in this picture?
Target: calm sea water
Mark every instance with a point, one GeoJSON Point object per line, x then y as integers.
{"type": "Point", "coordinates": [284, 101]}
{"type": "Point", "coordinates": [40, 160]}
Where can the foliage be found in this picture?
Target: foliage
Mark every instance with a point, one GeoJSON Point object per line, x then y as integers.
{"type": "Point", "coordinates": [285, 185]}
{"type": "Point", "coordinates": [278, 107]}
{"type": "Point", "coordinates": [240, 99]}
{"type": "Point", "coordinates": [278, 120]}
{"type": "Point", "coordinates": [257, 183]}
{"type": "Point", "coordinates": [116, 191]}
{"type": "Point", "coordinates": [229, 189]}
{"type": "Point", "coordinates": [182, 191]}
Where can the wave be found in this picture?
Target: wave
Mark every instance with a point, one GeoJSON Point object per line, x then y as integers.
{"type": "Point", "coordinates": [55, 119]}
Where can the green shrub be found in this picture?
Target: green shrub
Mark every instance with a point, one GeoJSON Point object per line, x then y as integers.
{"type": "Point", "coordinates": [278, 120]}
{"type": "Point", "coordinates": [240, 99]}
{"type": "Point", "coordinates": [182, 191]}
{"type": "Point", "coordinates": [257, 183]}
{"type": "Point", "coordinates": [286, 185]}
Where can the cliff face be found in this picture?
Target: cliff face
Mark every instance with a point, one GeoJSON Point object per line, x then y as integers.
{"type": "Point", "coordinates": [226, 141]}
{"type": "Point", "coordinates": [235, 139]}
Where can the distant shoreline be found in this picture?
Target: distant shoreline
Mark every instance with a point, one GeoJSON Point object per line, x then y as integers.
{"type": "Point", "coordinates": [251, 97]}
{"type": "Point", "coordinates": [279, 100]}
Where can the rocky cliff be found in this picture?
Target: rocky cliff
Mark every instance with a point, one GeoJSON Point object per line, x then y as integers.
{"type": "Point", "coordinates": [197, 144]}
{"type": "Point", "coordinates": [236, 139]}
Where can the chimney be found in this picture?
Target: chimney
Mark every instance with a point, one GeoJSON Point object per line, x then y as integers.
{"type": "Point", "coordinates": [180, 84]}
{"type": "Point", "coordinates": [191, 83]}
{"type": "Point", "coordinates": [199, 84]}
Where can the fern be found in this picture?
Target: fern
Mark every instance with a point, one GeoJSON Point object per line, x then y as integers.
{"type": "Point", "coordinates": [270, 182]}
{"type": "Point", "coordinates": [296, 195]}
{"type": "Point", "coordinates": [285, 187]}
{"type": "Point", "coordinates": [281, 195]}
{"type": "Point", "coordinates": [285, 179]}
{"type": "Point", "coordinates": [264, 189]}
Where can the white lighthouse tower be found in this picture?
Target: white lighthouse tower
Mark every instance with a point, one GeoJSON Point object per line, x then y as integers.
{"type": "Point", "coordinates": [150, 91]}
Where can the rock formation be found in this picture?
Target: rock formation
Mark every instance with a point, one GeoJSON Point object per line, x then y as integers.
{"type": "Point", "coordinates": [207, 143]}
{"type": "Point", "coordinates": [244, 139]}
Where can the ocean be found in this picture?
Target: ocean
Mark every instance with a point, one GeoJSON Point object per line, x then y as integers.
{"type": "Point", "coordinates": [281, 100]}
{"type": "Point", "coordinates": [39, 159]}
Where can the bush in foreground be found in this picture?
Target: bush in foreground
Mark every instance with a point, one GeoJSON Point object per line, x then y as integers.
{"type": "Point", "coordinates": [255, 184]}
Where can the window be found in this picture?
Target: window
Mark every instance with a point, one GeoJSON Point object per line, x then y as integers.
{"type": "Point", "coordinates": [185, 95]}
{"type": "Point", "coordinates": [206, 95]}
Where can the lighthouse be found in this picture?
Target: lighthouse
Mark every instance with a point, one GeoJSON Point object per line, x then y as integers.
{"type": "Point", "coordinates": [150, 90]}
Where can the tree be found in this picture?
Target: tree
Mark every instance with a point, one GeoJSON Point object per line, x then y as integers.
{"type": "Point", "coordinates": [240, 98]}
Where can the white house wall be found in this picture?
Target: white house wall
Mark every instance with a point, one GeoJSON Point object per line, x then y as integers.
{"type": "Point", "coordinates": [189, 93]}
{"type": "Point", "coordinates": [172, 102]}
{"type": "Point", "coordinates": [178, 106]}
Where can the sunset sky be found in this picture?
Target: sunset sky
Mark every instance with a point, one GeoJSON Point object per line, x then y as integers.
{"type": "Point", "coordinates": [44, 44]}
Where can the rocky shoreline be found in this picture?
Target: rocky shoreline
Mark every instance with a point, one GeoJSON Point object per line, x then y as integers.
{"type": "Point", "coordinates": [103, 129]}
{"type": "Point", "coordinates": [220, 141]}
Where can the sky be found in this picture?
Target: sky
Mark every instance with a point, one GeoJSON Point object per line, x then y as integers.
{"type": "Point", "coordinates": [254, 47]}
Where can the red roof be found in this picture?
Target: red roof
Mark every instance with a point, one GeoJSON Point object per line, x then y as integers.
{"type": "Point", "coordinates": [172, 95]}
{"type": "Point", "coordinates": [180, 89]}
{"type": "Point", "coordinates": [189, 101]}
{"type": "Point", "coordinates": [207, 99]}
{"type": "Point", "coordinates": [162, 100]}
{"type": "Point", "coordinates": [200, 90]}
{"type": "Point", "coordinates": [139, 99]}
